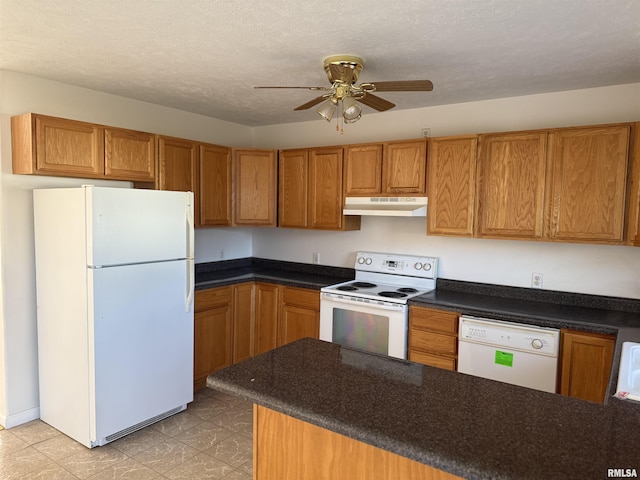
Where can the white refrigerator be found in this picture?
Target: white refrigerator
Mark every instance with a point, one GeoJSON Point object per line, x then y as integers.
{"type": "Point", "coordinates": [115, 286]}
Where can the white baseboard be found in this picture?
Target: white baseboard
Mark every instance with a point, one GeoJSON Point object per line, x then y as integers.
{"type": "Point", "coordinates": [9, 421]}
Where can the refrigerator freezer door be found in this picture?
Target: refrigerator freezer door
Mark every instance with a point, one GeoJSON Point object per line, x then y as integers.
{"type": "Point", "coordinates": [142, 348]}
{"type": "Point", "coordinates": [135, 226]}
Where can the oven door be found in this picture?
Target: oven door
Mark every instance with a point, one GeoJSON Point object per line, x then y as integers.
{"type": "Point", "coordinates": [370, 327]}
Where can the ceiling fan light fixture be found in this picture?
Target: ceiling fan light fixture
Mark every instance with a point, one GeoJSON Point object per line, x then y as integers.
{"type": "Point", "coordinates": [326, 110]}
{"type": "Point", "coordinates": [351, 111]}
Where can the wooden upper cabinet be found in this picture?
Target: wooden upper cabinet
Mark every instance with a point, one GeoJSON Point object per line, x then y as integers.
{"type": "Point", "coordinates": [588, 184]}
{"type": "Point", "coordinates": [178, 168]}
{"type": "Point", "coordinates": [363, 169]}
{"type": "Point", "coordinates": [633, 198]}
{"type": "Point", "coordinates": [129, 155]}
{"type": "Point", "coordinates": [511, 185]}
{"type": "Point", "coordinates": [325, 188]}
{"type": "Point", "coordinates": [293, 185]}
{"type": "Point", "coordinates": [46, 145]}
{"type": "Point", "coordinates": [255, 182]}
{"type": "Point", "coordinates": [215, 185]}
{"type": "Point", "coordinates": [391, 168]}
{"type": "Point", "coordinates": [452, 184]}
{"type": "Point", "coordinates": [404, 167]}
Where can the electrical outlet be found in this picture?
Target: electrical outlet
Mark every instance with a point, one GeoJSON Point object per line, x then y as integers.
{"type": "Point", "coordinates": [536, 280]}
{"type": "Point", "coordinates": [426, 132]}
{"type": "Point", "coordinates": [221, 254]}
{"type": "Point", "coordinates": [315, 258]}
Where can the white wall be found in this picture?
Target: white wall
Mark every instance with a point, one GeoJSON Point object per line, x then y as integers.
{"type": "Point", "coordinates": [593, 269]}
{"type": "Point", "coordinates": [20, 94]}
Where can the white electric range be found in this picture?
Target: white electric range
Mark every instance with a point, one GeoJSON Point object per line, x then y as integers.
{"type": "Point", "coordinates": [371, 312]}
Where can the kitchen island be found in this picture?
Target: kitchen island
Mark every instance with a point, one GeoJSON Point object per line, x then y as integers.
{"type": "Point", "coordinates": [452, 423]}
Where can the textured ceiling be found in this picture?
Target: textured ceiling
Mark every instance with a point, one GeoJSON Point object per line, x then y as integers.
{"type": "Point", "coordinates": [206, 56]}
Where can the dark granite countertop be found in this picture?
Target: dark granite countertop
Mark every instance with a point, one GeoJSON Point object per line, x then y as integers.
{"type": "Point", "coordinates": [469, 426]}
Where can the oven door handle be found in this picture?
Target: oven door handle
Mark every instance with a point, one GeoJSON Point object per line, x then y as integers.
{"type": "Point", "coordinates": [393, 307]}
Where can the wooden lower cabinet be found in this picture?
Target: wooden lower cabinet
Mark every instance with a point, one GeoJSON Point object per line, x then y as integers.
{"type": "Point", "coordinates": [586, 360]}
{"type": "Point", "coordinates": [299, 315]}
{"type": "Point", "coordinates": [285, 447]}
{"type": "Point", "coordinates": [236, 322]}
{"type": "Point", "coordinates": [212, 333]}
{"type": "Point", "coordinates": [433, 337]}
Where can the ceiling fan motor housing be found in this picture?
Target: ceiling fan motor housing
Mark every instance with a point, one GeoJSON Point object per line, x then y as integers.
{"type": "Point", "coordinates": [343, 68]}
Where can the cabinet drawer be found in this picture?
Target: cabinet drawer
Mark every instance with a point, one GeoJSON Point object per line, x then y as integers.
{"type": "Point", "coordinates": [434, 320]}
{"type": "Point", "coordinates": [301, 297]}
{"type": "Point", "coordinates": [448, 363]}
{"type": "Point", "coordinates": [212, 297]}
{"type": "Point", "coordinates": [433, 342]}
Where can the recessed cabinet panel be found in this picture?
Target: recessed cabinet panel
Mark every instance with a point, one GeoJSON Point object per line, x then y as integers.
{"type": "Point", "coordinates": [255, 183]}
{"type": "Point", "coordinates": [294, 177]}
{"type": "Point", "coordinates": [129, 155]}
{"type": "Point", "coordinates": [67, 146]}
{"type": "Point", "coordinates": [452, 185]}
{"type": "Point", "coordinates": [215, 185]}
{"type": "Point", "coordinates": [363, 169]}
{"type": "Point", "coordinates": [404, 167]}
{"type": "Point", "coordinates": [511, 185]}
{"type": "Point", "coordinates": [588, 184]}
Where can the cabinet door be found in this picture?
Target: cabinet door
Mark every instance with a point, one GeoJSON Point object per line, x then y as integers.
{"type": "Point", "coordinates": [633, 208]}
{"type": "Point", "coordinates": [404, 167]}
{"type": "Point", "coordinates": [266, 323]}
{"type": "Point", "coordinates": [178, 168]}
{"type": "Point", "coordinates": [215, 185]}
{"type": "Point", "coordinates": [129, 155]}
{"type": "Point", "coordinates": [70, 148]}
{"type": "Point", "coordinates": [452, 184]}
{"type": "Point", "coordinates": [511, 185]}
{"type": "Point", "coordinates": [299, 314]}
{"type": "Point", "coordinates": [586, 365]}
{"type": "Point", "coordinates": [363, 169]}
{"type": "Point", "coordinates": [292, 198]}
{"type": "Point", "coordinates": [588, 183]}
{"type": "Point", "coordinates": [243, 321]}
{"type": "Point", "coordinates": [325, 188]}
{"type": "Point", "coordinates": [255, 187]}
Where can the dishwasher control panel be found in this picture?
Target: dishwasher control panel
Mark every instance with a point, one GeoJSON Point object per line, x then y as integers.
{"type": "Point", "coordinates": [514, 336]}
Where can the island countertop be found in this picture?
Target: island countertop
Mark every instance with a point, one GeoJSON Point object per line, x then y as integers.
{"type": "Point", "coordinates": [468, 426]}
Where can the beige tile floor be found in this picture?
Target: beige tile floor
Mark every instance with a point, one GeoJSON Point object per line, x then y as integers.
{"type": "Point", "coordinates": [212, 439]}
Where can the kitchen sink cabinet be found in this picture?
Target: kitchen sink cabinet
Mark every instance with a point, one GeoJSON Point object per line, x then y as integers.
{"type": "Point", "coordinates": [389, 168]}
{"type": "Point", "coordinates": [511, 185]}
{"type": "Point", "coordinates": [266, 323]}
{"type": "Point", "coordinates": [310, 190]}
{"type": "Point", "coordinates": [585, 366]}
{"type": "Point", "coordinates": [299, 314]}
{"type": "Point", "coordinates": [44, 145]}
{"type": "Point", "coordinates": [452, 185]}
{"type": "Point", "coordinates": [433, 337]}
{"type": "Point", "coordinates": [588, 168]}
{"type": "Point", "coordinates": [255, 187]}
{"type": "Point", "coordinates": [213, 332]}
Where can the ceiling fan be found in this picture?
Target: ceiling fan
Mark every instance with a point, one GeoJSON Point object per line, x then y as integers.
{"type": "Point", "coordinates": [342, 72]}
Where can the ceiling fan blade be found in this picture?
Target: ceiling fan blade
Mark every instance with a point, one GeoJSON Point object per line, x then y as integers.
{"type": "Point", "coordinates": [311, 103]}
{"type": "Point", "coordinates": [404, 86]}
{"type": "Point", "coordinates": [304, 88]}
{"type": "Point", "coordinates": [376, 102]}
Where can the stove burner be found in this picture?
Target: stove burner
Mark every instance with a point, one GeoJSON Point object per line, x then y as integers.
{"type": "Point", "coordinates": [407, 290]}
{"type": "Point", "coordinates": [392, 294]}
{"type": "Point", "coordinates": [363, 284]}
{"type": "Point", "coordinates": [347, 288]}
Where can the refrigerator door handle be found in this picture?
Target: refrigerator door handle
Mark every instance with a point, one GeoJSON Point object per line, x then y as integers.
{"type": "Point", "coordinates": [190, 285]}
{"type": "Point", "coordinates": [190, 226]}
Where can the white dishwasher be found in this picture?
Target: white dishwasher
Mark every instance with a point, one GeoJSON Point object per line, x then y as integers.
{"type": "Point", "coordinates": [509, 352]}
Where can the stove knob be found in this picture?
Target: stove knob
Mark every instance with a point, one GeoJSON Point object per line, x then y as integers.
{"type": "Point", "coordinates": [418, 266]}
{"type": "Point", "coordinates": [360, 260]}
{"type": "Point", "coordinates": [426, 267]}
{"type": "Point", "coordinates": [368, 261]}
{"type": "Point", "coordinates": [537, 343]}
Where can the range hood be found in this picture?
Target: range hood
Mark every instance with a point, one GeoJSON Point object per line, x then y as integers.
{"type": "Point", "coordinates": [386, 206]}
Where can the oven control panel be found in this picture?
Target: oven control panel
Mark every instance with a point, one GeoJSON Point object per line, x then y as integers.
{"type": "Point", "coordinates": [415, 266]}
